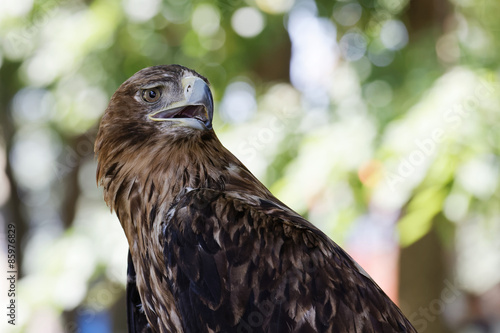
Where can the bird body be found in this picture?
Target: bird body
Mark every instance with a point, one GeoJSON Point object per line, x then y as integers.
{"type": "Point", "coordinates": [211, 249]}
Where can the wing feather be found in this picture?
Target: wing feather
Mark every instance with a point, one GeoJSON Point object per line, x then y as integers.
{"type": "Point", "coordinates": [137, 321]}
{"type": "Point", "coordinates": [243, 264]}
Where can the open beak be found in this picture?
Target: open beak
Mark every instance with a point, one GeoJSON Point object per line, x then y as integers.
{"type": "Point", "coordinates": [194, 110]}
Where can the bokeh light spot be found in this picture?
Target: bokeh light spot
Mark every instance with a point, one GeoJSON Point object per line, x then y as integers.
{"type": "Point", "coordinates": [447, 48]}
{"type": "Point", "coordinates": [33, 158]}
{"type": "Point", "coordinates": [141, 10]}
{"type": "Point", "coordinates": [31, 105]}
{"type": "Point", "coordinates": [15, 8]}
{"type": "Point", "coordinates": [370, 173]}
{"type": "Point", "coordinates": [205, 20]}
{"type": "Point", "coordinates": [456, 206]}
{"type": "Point", "coordinates": [378, 93]}
{"type": "Point", "coordinates": [353, 46]}
{"type": "Point", "coordinates": [394, 35]}
{"type": "Point", "coordinates": [363, 67]}
{"type": "Point", "coordinates": [247, 22]}
{"type": "Point", "coordinates": [479, 176]}
{"type": "Point", "coordinates": [314, 54]}
{"type": "Point", "coordinates": [379, 55]}
{"type": "Point", "coordinates": [238, 103]}
{"type": "Point", "coordinates": [393, 6]}
{"type": "Point", "coordinates": [275, 6]}
{"type": "Point", "coordinates": [215, 41]}
{"type": "Point", "coordinates": [348, 14]}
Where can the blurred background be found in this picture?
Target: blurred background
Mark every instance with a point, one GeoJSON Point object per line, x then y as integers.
{"type": "Point", "coordinates": [378, 120]}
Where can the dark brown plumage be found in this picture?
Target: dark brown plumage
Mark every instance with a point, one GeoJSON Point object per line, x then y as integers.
{"type": "Point", "coordinates": [211, 249]}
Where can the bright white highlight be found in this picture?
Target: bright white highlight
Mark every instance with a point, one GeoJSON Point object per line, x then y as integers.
{"type": "Point", "coordinates": [247, 22]}
{"type": "Point", "coordinates": [205, 20]}
{"type": "Point", "coordinates": [141, 10]}
{"type": "Point", "coordinates": [314, 52]}
{"type": "Point", "coordinates": [394, 35]}
{"type": "Point", "coordinates": [238, 103]}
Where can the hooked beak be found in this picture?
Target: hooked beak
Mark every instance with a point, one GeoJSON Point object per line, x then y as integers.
{"type": "Point", "coordinates": [194, 110]}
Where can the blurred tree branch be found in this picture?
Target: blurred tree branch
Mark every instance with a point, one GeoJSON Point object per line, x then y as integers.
{"type": "Point", "coordinates": [9, 85]}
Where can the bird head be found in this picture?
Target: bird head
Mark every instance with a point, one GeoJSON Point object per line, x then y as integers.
{"type": "Point", "coordinates": [163, 98]}
{"type": "Point", "coordinates": [181, 97]}
{"type": "Point", "coordinates": [150, 117]}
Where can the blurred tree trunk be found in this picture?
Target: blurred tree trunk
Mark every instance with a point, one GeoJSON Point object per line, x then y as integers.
{"type": "Point", "coordinates": [274, 64]}
{"type": "Point", "coordinates": [427, 15]}
{"type": "Point", "coordinates": [80, 147]}
{"type": "Point", "coordinates": [424, 287]}
{"type": "Point", "coordinates": [424, 284]}
{"type": "Point", "coordinates": [9, 85]}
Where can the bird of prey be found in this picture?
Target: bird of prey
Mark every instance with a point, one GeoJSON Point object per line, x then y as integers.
{"type": "Point", "coordinates": [211, 249]}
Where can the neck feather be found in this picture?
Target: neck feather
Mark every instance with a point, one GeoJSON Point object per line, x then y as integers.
{"type": "Point", "coordinates": [142, 178]}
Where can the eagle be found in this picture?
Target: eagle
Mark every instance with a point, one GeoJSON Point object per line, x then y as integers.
{"type": "Point", "coordinates": [210, 248]}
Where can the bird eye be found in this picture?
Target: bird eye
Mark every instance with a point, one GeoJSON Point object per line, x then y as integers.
{"type": "Point", "coordinates": [151, 95]}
